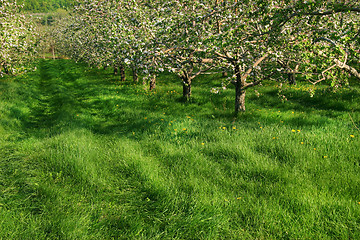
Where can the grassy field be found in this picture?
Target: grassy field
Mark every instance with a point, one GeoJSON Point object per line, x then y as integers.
{"type": "Point", "coordinates": [84, 156]}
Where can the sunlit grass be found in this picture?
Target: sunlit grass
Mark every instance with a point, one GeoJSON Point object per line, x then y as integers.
{"type": "Point", "coordinates": [84, 156]}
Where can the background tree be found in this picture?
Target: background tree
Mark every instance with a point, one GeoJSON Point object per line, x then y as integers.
{"type": "Point", "coordinates": [17, 38]}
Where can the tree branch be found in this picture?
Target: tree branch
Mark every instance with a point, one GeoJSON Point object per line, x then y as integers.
{"type": "Point", "coordinates": [254, 66]}
{"type": "Point", "coordinates": [225, 56]}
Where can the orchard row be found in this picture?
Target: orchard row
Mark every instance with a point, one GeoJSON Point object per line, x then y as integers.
{"type": "Point", "coordinates": [249, 40]}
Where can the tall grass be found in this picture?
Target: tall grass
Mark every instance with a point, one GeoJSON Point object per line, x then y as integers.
{"type": "Point", "coordinates": [84, 156]}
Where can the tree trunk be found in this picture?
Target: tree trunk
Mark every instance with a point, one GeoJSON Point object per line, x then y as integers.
{"type": "Point", "coordinates": [291, 78]}
{"type": "Point", "coordinates": [53, 51]}
{"type": "Point", "coordinates": [239, 90]}
{"type": "Point", "coordinates": [122, 72]}
{"type": "Point", "coordinates": [6, 69]}
{"type": "Point", "coordinates": [239, 97]}
{"type": "Point", "coordinates": [135, 74]}
{"type": "Point", "coordinates": [152, 82]}
{"type": "Point", "coordinates": [186, 88]}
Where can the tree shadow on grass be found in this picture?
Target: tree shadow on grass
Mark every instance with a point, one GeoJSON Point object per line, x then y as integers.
{"type": "Point", "coordinates": [74, 96]}
{"type": "Point", "coordinates": [68, 95]}
{"type": "Point", "coordinates": [54, 98]}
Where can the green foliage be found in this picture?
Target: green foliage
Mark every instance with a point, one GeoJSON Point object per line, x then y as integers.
{"type": "Point", "coordinates": [46, 5]}
{"type": "Point", "coordinates": [84, 156]}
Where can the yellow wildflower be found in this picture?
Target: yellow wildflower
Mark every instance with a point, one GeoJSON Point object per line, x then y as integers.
{"type": "Point", "coordinates": [293, 130]}
{"type": "Point", "coordinates": [203, 144]}
{"type": "Point", "coordinates": [352, 136]}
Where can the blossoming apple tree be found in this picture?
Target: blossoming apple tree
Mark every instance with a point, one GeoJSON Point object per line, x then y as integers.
{"type": "Point", "coordinates": [252, 39]}
{"type": "Point", "coordinates": [17, 38]}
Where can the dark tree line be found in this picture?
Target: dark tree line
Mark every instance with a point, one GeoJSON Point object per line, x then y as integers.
{"type": "Point", "coordinates": [45, 5]}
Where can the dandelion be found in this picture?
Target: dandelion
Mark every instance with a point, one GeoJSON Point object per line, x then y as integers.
{"type": "Point", "coordinates": [352, 136]}
{"type": "Point", "coordinates": [293, 130]}
{"type": "Point", "coordinates": [184, 129]}
{"type": "Point", "coordinates": [298, 130]}
{"type": "Point", "coordinates": [324, 156]}
{"type": "Point", "coordinates": [302, 142]}
{"type": "Point", "coordinates": [203, 144]}
{"type": "Point", "coordinates": [162, 119]}
{"type": "Point", "coordinates": [238, 198]}
{"type": "Point", "coordinates": [234, 128]}
{"type": "Point", "coordinates": [292, 112]}
{"type": "Point", "coordinates": [274, 137]}
{"type": "Point", "coordinates": [145, 118]}
{"type": "Point", "coordinates": [223, 128]}
{"type": "Point", "coordinates": [175, 129]}
{"type": "Point", "coordinates": [260, 127]}
{"type": "Point", "coordinates": [188, 116]}
{"type": "Point", "coordinates": [314, 149]}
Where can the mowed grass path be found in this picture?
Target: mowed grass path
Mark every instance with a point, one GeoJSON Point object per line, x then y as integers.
{"type": "Point", "coordinates": [83, 156]}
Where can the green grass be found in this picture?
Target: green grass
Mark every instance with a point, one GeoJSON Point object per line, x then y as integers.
{"type": "Point", "coordinates": [84, 156]}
